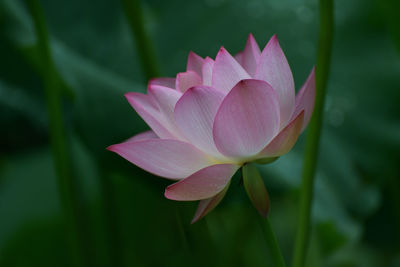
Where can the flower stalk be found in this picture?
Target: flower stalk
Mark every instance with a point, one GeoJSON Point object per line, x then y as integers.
{"type": "Point", "coordinates": [314, 132]}
{"type": "Point", "coordinates": [134, 15]}
{"type": "Point", "coordinates": [62, 160]}
{"type": "Point", "coordinates": [258, 195]}
{"type": "Point", "coordinates": [272, 243]}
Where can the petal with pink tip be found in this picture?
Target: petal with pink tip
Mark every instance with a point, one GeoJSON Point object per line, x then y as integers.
{"type": "Point", "coordinates": [207, 205]}
{"type": "Point", "coordinates": [194, 115]}
{"type": "Point", "coordinates": [143, 136]}
{"type": "Point", "coordinates": [274, 69]}
{"type": "Point", "coordinates": [305, 99]}
{"type": "Point", "coordinates": [207, 70]}
{"type": "Point", "coordinates": [227, 72]}
{"type": "Point", "coordinates": [194, 63]}
{"type": "Point", "coordinates": [247, 119]}
{"type": "Point", "coordinates": [203, 184]}
{"type": "Point", "coordinates": [185, 80]}
{"type": "Point", "coordinates": [167, 158]}
{"type": "Point", "coordinates": [251, 55]}
{"type": "Point", "coordinates": [164, 81]}
{"type": "Point", "coordinates": [285, 140]}
{"type": "Point", "coordinates": [255, 188]}
{"type": "Point", "coordinates": [148, 110]}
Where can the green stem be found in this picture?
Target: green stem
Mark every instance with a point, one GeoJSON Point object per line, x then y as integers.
{"type": "Point", "coordinates": [133, 12]}
{"type": "Point", "coordinates": [314, 131]}
{"type": "Point", "coordinates": [272, 244]}
{"type": "Point", "coordinates": [62, 161]}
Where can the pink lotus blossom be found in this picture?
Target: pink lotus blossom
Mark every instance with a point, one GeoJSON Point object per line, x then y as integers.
{"type": "Point", "coordinates": [218, 115]}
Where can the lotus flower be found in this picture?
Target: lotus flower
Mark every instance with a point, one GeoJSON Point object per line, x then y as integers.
{"type": "Point", "coordinates": [217, 116]}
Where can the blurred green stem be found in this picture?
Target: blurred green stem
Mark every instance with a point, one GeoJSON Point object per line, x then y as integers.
{"type": "Point", "coordinates": [272, 244]}
{"type": "Point", "coordinates": [62, 161]}
{"type": "Point", "coordinates": [134, 14]}
{"type": "Point", "coordinates": [314, 131]}
{"type": "Point", "coordinates": [250, 172]}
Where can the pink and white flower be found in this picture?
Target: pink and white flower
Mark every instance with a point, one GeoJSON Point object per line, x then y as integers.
{"type": "Point", "coordinates": [218, 115]}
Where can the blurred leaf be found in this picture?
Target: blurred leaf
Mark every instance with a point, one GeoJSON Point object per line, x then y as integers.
{"type": "Point", "coordinates": [31, 246]}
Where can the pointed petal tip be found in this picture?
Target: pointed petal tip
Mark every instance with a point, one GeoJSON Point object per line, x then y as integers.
{"type": "Point", "coordinates": [193, 54]}
{"type": "Point", "coordinates": [197, 217]}
{"type": "Point", "coordinates": [111, 148]}
{"type": "Point", "coordinates": [128, 94]}
{"type": "Point", "coordinates": [207, 205]}
{"type": "Point", "coordinates": [131, 95]}
{"type": "Point", "coordinates": [273, 41]}
{"type": "Point", "coordinates": [251, 38]}
{"type": "Point", "coordinates": [167, 193]}
{"type": "Point", "coordinates": [194, 220]}
{"type": "Point", "coordinates": [222, 50]}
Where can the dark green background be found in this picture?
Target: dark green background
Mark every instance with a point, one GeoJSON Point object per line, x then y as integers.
{"type": "Point", "coordinates": [356, 212]}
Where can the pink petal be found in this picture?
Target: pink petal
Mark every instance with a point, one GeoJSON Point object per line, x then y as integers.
{"type": "Point", "coordinates": [194, 115]}
{"type": "Point", "coordinates": [164, 81]}
{"type": "Point", "coordinates": [274, 69]}
{"type": "Point", "coordinates": [305, 99]}
{"type": "Point", "coordinates": [167, 158]}
{"type": "Point", "coordinates": [194, 63]}
{"type": "Point", "coordinates": [255, 188]}
{"type": "Point", "coordinates": [203, 184]}
{"type": "Point", "coordinates": [207, 205]}
{"type": "Point", "coordinates": [207, 70]}
{"type": "Point", "coordinates": [247, 119]}
{"type": "Point", "coordinates": [227, 71]}
{"type": "Point", "coordinates": [285, 140]}
{"type": "Point", "coordinates": [185, 80]}
{"type": "Point", "coordinates": [251, 56]}
{"type": "Point", "coordinates": [239, 57]}
{"type": "Point", "coordinates": [143, 136]}
{"type": "Point", "coordinates": [148, 109]}
{"type": "Point", "coordinates": [166, 98]}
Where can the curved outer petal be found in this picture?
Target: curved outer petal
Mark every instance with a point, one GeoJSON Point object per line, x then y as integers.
{"type": "Point", "coordinates": [227, 71]}
{"type": "Point", "coordinates": [207, 205]}
{"type": "Point", "coordinates": [148, 110]}
{"type": "Point", "coordinates": [194, 115]}
{"type": "Point", "coordinates": [274, 69]}
{"type": "Point", "coordinates": [143, 136]}
{"type": "Point", "coordinates": [251, 55]}
{"type": "Point", "coordinates": [185, 80]}
{"type": "Point", "coordinates": [247, 119]}
{"type": "Point", "coordinates": [164, 81]}
{"type": "Point", "coordinates": [207, 71]}
{"type": "Point", "coordinates": [285, 140]}
{"type": "Point", "coordinates": [203, 184]}
{"type": "Point", "coordinates": [305, 99]}
{"type": "Point", "coordinates": [194, 63]}
{"type": "Point", "coordinates": [167, 158]}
